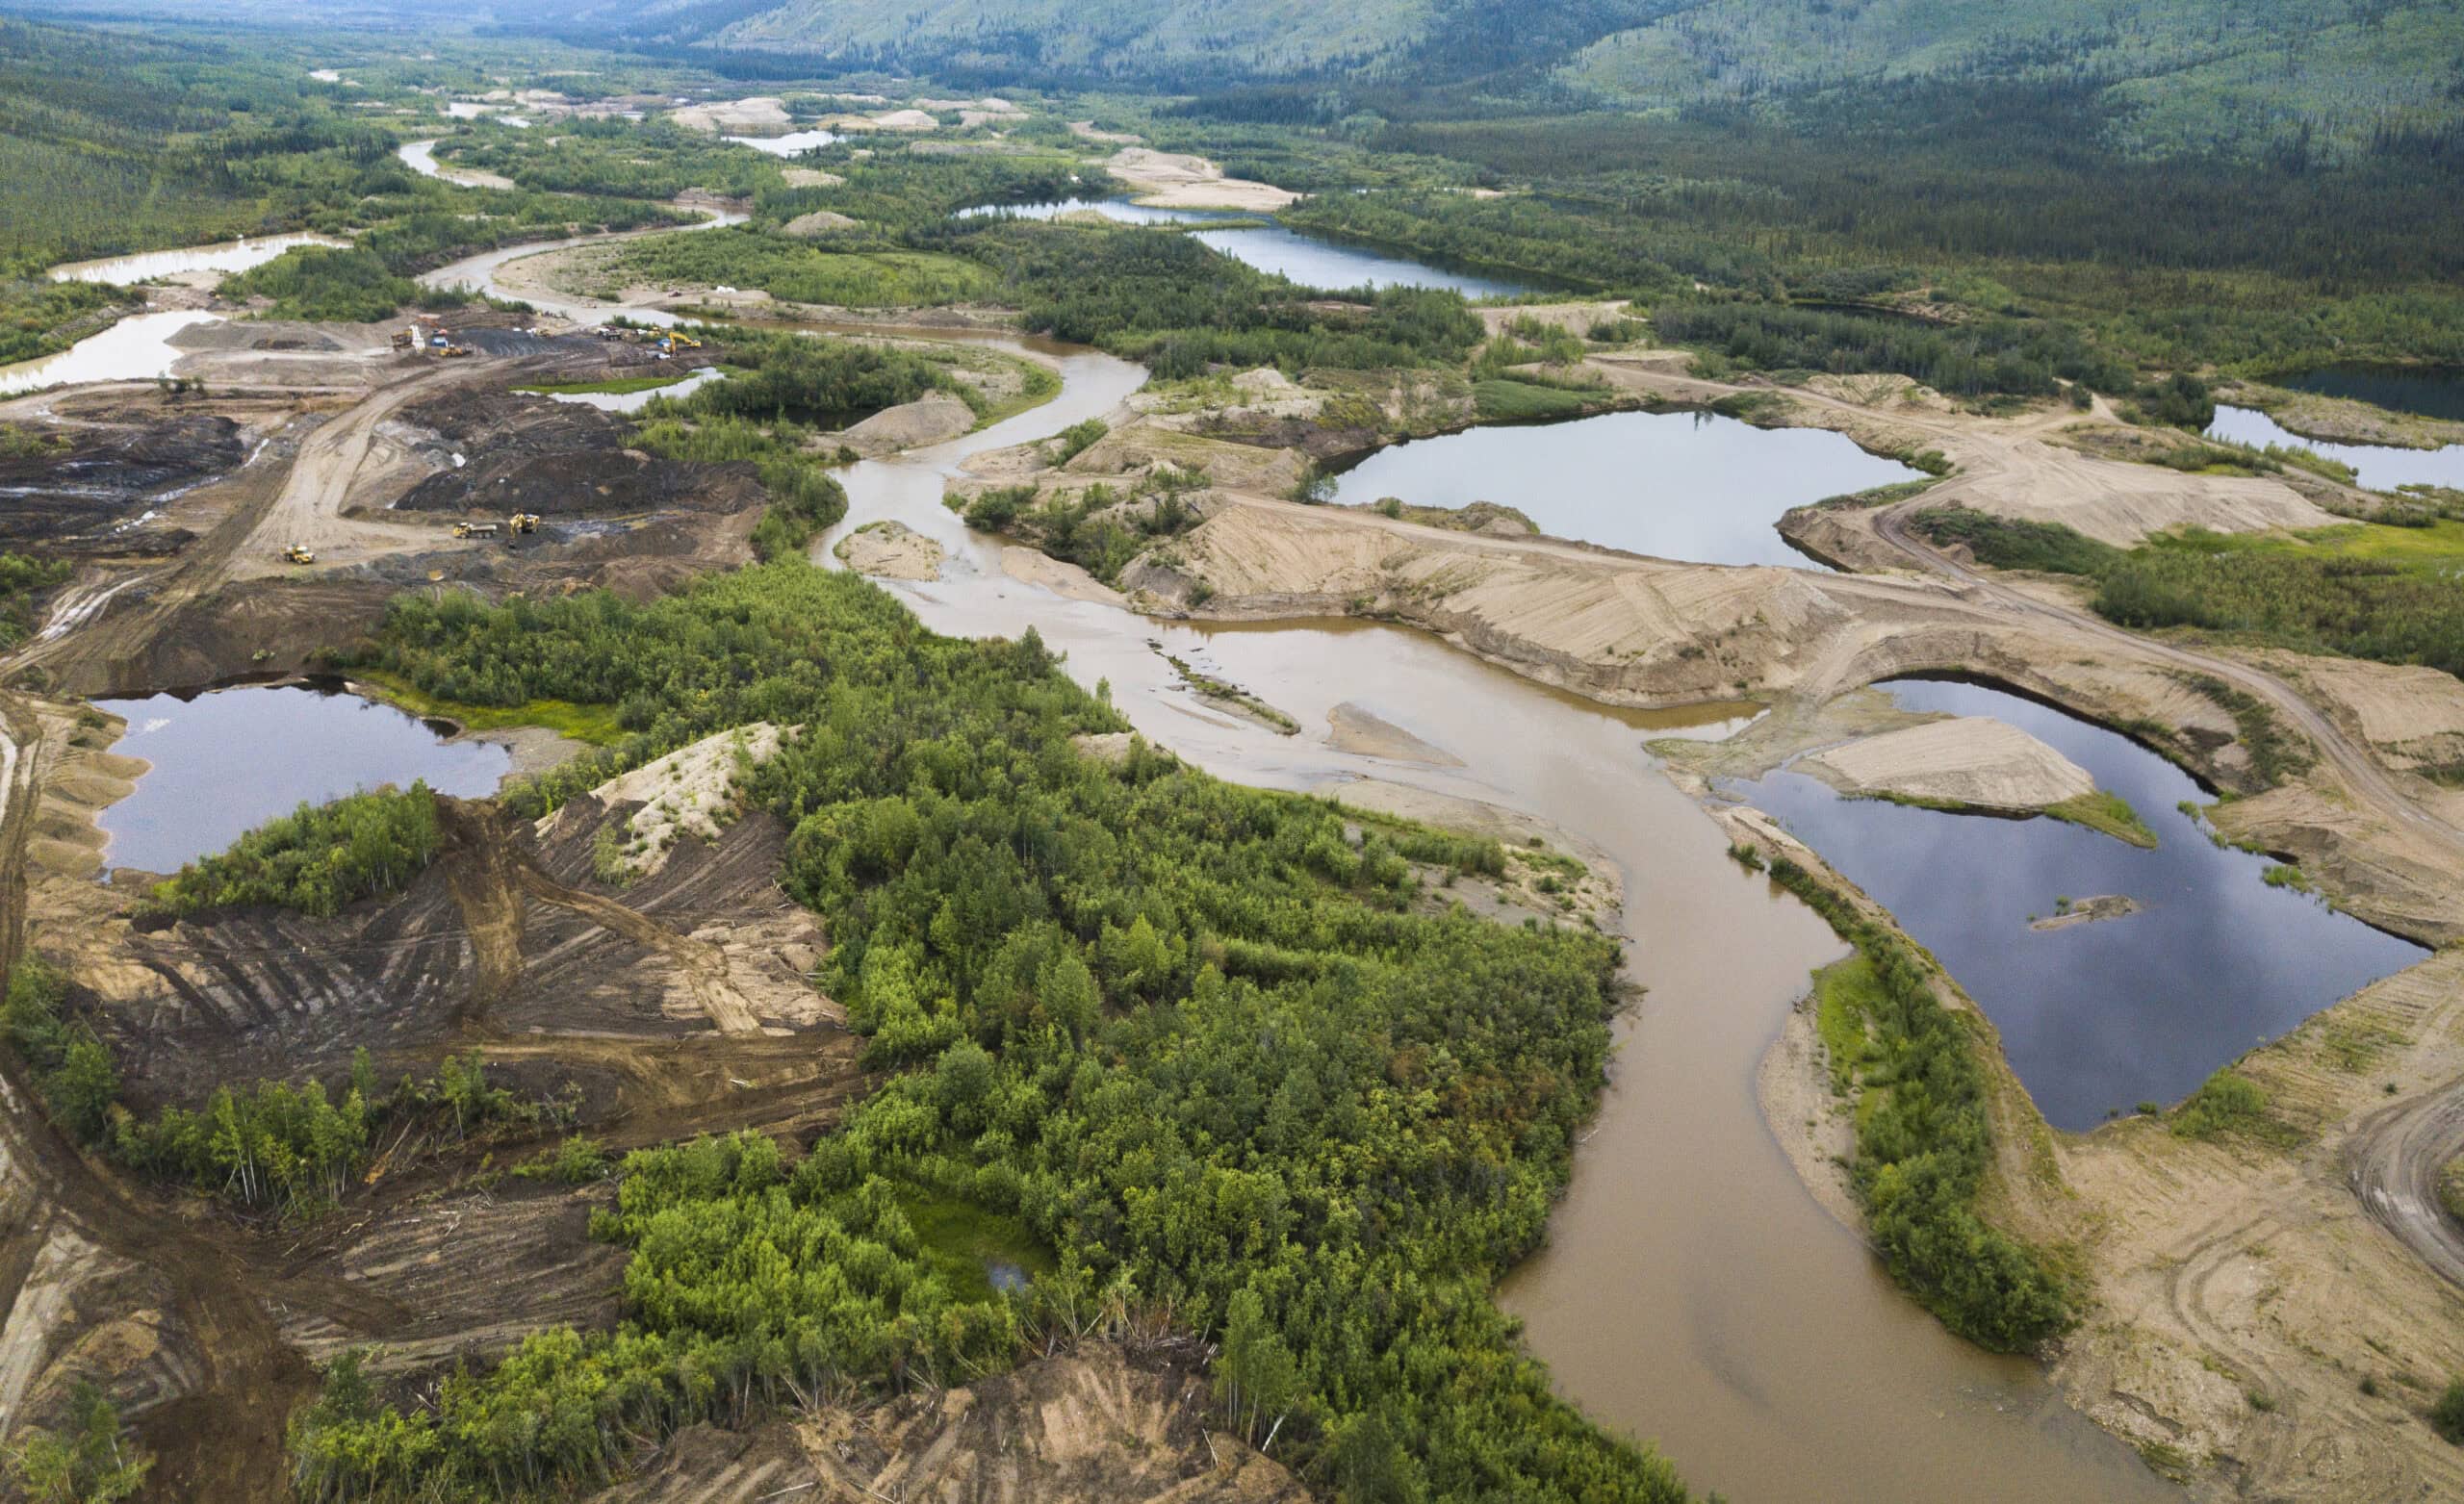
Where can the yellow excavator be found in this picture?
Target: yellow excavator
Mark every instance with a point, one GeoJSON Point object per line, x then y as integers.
{"type": "Point", "coordinates": [298, 553]}
{"type": "Point", "coordinates": [524, 522]}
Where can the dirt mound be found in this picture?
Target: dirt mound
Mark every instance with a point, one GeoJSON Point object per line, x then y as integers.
{"type": "Point", "coordinates": [497, 454]}
{"type": "Point", "coordinates": [691, 791]}
{"type": "Point", "coordinates": [821, 222]}
{"type": "Point", "coordinates": [1969, 760]}
{"type": "Point", "coordinates": [888, 550]}
{"type": "Point", "coordinates": [929, 420]}
{"type": "Point", "coordinates": [735, 116]}
{"type": "Point", "coordinates": [1173, 180]}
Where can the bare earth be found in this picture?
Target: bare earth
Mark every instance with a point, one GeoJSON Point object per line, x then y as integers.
{"type": "Point", "coordinates": [1173, 180]}
{"type": "Point", "coordinates": [889, 551]}
{"type": "Point", "coordinates": [1965, 760]}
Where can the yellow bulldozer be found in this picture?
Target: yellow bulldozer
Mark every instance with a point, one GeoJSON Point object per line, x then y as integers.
{"type": "Point", "coordinates": [298, 553]}
{"type": "Point", "coordinates": [524, 522]}
{"type": "Point", "coordinates": [455, 351]}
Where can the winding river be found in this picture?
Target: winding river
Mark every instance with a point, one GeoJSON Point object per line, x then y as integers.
{"type": "Point", "coordinates": [1692, 1293]}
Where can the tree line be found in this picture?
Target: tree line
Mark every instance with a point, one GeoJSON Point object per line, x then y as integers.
{"type": "Point", "coordinates": [1198, 1039]}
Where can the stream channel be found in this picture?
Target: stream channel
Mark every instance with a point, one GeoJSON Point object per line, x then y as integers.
{"type": "Point", "coordinates": [1692, 1293]}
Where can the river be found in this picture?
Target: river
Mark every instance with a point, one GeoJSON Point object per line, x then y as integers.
{"type": "Point", "coordinates": [1693, 1294]}
{"type": "Point", "coordinates": [228, 256]}
{"type": "Point", "coordinates": [137, 349]}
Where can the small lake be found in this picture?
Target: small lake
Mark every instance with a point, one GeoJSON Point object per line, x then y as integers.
{"type": "Point", "coordinates": [1690, 486]}
{"type": "Point", "coordinates": [226, 761]}
{"type": "Point", "coordinates": [137, 349]}
{"type": "Point", "coordinates": [2380, 467]}
{"type": "Point", "coordinates": [2428, 391]}
{"type": "Point", "coordinates": [229, 256]}
{"type": "Point", "coordinates": [1337, 267]}
{"type": "Point", "coordinates": [1120, 210]}
{"type": "Point", "coordinates": [635, 401]}
{"type": "Point", "coordinates": [1306, 259]}
{"type": "Point", "coordinates": [793, 144]}
{"type": "Point", "coordinates": [2106, 1014]}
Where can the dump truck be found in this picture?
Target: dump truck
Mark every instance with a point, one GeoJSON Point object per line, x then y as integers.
{"type": "Point", "coordinates": [474, 529]}
{"type": "Point", "coordinates": [524, 522]}
{"type": "Point", "coordinates": [406, 339]}
{"type": "Point", "coordinates": [298, 553]}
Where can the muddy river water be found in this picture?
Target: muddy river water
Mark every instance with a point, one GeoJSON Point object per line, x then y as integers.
{"type": "Point", "coordinates": [1692, 1293]}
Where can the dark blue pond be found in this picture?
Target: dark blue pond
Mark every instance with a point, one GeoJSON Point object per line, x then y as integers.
{"type": "Point", "coordinates": [2098, 1016]}
{"type": "Point", "coordinates": [2430, 390]}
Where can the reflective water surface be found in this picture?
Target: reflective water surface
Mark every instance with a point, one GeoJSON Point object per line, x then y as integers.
{"type": "Point", "coordinates": [228, 256]}
{"type": "Point", "coordinates": [2380, 467]}
{"type": "Point", "coordinates": [2098, 1016]}
{"type": "Point", "coordinates": [1692, 1293]}
{"type": "Point", "coordinates": [1693, 486]}
{"type": "Point", "coordinates": [2430, 390]}
{"type": "Point", "coordinates": [137, 349]}
{"type": "Point", "coordinates": [226, 761]}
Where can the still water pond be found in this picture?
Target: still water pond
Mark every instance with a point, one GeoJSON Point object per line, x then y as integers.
{"type": "Point", "coordinates": [228, 256]}
{"type": "Point", "coordinates": [227, 763]}
{"type": "Point", "coordinates": [2114, 1012]}
{"type": "Point", "coordinates": [2380, 467]}
{"type": "Point", "coordinates": [793, 144]}
{"type": "Point", "coordinates": [1306, 259]}
{"type": "Point", "coordinates": [137, 349]}
{"type": "Point", "coordinates": [1691, 486]}
{"type": "Point", "coordinates": [2429, 391]}
{"type": "Point", "coordinates": [1119, 210]}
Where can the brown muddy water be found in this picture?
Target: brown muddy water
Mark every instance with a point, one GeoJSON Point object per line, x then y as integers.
{"type": "Point", "coordinates": [1692, 1294]}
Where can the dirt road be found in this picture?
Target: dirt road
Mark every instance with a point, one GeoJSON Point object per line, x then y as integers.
{"type": "Point", "coordinates": [2393, 1163]}
{"type": "Point", "coordinates": [308, 510]}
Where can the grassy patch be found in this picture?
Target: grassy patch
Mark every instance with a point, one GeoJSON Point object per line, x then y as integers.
{"type": "Point", "coordinates": [614, 386]}
{"type": "Point", "coordinates": [2005, 542]}
{"type": "Point", "coordinates": [1504, 400]}
{"type": "Point", "coordinates": [2106, 812]}
{"type": "Point", "coordinates": [1846, 994]}
{"type": "Point", "coordinates": [2451, 1188]}
{"type": "Point", "coordinates": [963, 1241]}
{"type": "Point", "coordinates": [796, 272]}
{"type": "Point", "coordinates": [2226, 1105]}
{"type": "Point", "coordinates": [592, 724]}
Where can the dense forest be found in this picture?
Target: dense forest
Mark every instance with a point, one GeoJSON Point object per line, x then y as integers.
{"type": "Point", "coordinates": [1208, 1048]}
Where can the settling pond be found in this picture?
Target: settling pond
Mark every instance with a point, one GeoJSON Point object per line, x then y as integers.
{"type": "Point", "coordinates": [2106, 1014]}
{"type": "Point", "coordinates": [229, 761]}
{"type": "Point", "coordinates": [2380, 467]}
{"type": "Point", "coordinates": [1306, 259]}
{"type": "Point", "coordinates": [1690, 486]}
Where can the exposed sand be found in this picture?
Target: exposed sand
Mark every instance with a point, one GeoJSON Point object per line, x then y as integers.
{"type": "Point", "coordinates": [761, 112]}
{"type": "Point", "coordinates": [1354, 729]}
{"type": "Point", "coordinates": [821, 222]}
{"type": "Point", "coordinates": [810, 177]}
{"type": "Point", "coordinates": [2088, 910]}
{"type": "Point", "coordinates": [888, 550]}
{"type": "Point", "coordinates": [1058, 576]}
{"type": "Point", "coordinates": [1577, 317]}
{"type": "Point", "coordinates": [930, 419]}
{"type": "Point", "coordinates": [688, 792]}
{"type": "Point", "coordinates": [1971, 760]}
{"type": "Point", "coordinates": [1174, 180]}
